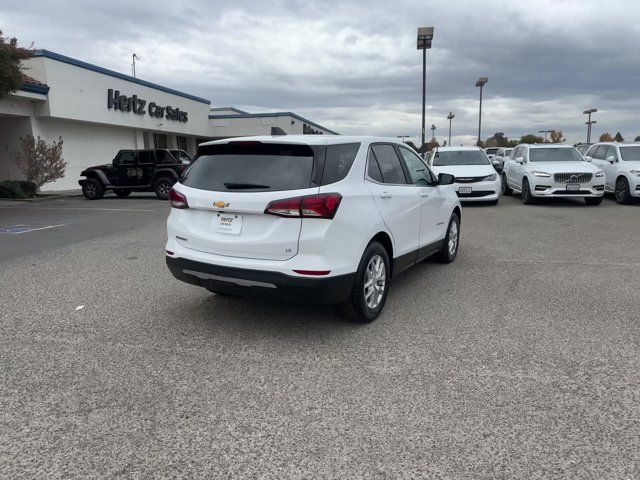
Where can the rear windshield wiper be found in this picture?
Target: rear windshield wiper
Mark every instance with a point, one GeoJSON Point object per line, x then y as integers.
{"type": "Point", "coordinates": [241, 186]}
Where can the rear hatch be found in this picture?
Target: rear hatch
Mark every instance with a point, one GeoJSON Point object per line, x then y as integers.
{"type": "Point", "coordinates": [229, 186]}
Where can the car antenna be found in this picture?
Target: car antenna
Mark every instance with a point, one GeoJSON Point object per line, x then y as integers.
{"type": "Point", "coordinates": [277, 131]}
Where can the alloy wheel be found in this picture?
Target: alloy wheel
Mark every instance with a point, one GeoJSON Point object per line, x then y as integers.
{"type": "Point", "coordinates": [375, 281]}
{"type": "Point", "coordinates": [453, 238]}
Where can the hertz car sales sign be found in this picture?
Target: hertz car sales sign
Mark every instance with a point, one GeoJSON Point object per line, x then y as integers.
{"type": "Point", "coordinates": [139, 106]}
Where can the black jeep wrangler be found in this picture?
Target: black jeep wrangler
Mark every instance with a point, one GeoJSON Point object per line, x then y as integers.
{"type": "Point", "coordinates": [149, 170]}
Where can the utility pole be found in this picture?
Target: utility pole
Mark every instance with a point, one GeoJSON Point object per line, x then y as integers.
{"type": "Point", "coordinates": [589, 122]}
{"type": "Point", "coordinates": [134, 57]}
{"type": "Point", "coordinates": [425, 37]}
{"type": "Point", "coordinates": [482, 81]}
{"type": "Point", "coordinates": [450, 117]}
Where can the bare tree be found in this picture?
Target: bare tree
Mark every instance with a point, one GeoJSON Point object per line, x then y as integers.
{"type": "Point", "coordinates": [40, 161]}
{"type": "Point", "coordinates": [556, 136]}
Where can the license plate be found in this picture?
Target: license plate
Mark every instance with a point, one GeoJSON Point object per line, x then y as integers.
{"type": "Point", "coordinates": [230, 223]}
{"type": "Point", "coordinates": [464, 190]}
{"type": "Point", "coordinates": [573, 186]}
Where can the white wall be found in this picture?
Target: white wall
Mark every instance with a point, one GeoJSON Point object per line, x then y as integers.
{"type": "Point", "coordinates": [77, 93]}
{"type": "Point", "coordinates": [11, 129]}
{"type": "Point", "coordinates": [84, 145]}
{"type": "Point", "coordinates": [246, 126]}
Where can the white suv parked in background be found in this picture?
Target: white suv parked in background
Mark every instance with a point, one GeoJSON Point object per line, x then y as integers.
{"type": "Point", "coordinates": [621, 165]}
{"type": "Point", "coordinates": [551, 170]}
{"type": "Point", "coordinates": [476, 179]}
{"type": "Point", "coordinates": [322, 219]}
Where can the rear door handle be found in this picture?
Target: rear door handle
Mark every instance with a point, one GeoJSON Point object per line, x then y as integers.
{"type": "Point", "coordinates": [385, 195]}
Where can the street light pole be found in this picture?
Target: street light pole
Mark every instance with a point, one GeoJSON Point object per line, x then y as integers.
{"type": "Point", "coordinates": [589, 122]}
{"type": "Point", "coordinates": [545, 133]}
{"type": "Point", "coordinates": [450, 117]}
{"type": "Point", "coordinates": [134, 57]}
{"type": "Point", "coordinates": [425, 37]}
{"type": "Point", "coordinates": [433, 132]}
{"type": "Point", "coordinates": [482, 81]}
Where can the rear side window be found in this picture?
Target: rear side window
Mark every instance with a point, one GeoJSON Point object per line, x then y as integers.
{"type": "Point", "coordinates": [251, 167]}
{"type": "Point", "coordinates": [389, 164]}
{"type": "Point", "coordinates": [145, 157]}
{"type": "Point", "coordinates": [338, 161]}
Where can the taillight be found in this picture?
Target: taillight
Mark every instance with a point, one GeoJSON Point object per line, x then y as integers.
{"type": "Point", "coordinates": [177, 199]}
{"type": "Point", "coordinates": [324, 205]}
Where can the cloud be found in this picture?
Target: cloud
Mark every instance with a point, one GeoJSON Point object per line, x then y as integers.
{"type": "Point", "coordinates": [353, 67]}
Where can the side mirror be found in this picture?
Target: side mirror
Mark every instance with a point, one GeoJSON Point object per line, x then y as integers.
{"type": "Point", "coordinates": [519, 160]}
{"type": "Point", "coordinates": [445, 179]}
{"type": "Point", "coordinates": [588, 159]}
{"type": "Point", "coordinates": [497, 164]}
{"type": "Point", "coordinates": [611, 159]}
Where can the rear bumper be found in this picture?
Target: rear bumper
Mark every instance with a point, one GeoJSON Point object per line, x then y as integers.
{"type": "Point", "coordinates": [261, 283]}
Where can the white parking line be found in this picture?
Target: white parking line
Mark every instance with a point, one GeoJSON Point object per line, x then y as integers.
{"type": "Point", "coordinates": [28, 229]}
{"type": "Point", "coordinates": [88, 209]}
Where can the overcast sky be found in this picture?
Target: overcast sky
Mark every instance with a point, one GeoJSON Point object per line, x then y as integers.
{"type": "Point", "coordinates": [353, 66]}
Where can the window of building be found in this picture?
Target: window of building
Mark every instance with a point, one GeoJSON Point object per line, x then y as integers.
{"type": "Point", "coordinates": [159, 140]}
{"type": "Point", "coordinates": [182, 143]}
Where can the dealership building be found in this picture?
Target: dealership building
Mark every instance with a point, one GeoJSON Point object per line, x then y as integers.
{"type": "Point", "coordinates": [98, 111]}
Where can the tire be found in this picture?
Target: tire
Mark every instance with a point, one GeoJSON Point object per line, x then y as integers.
{"type": "Point", "coordinates": [161, 187]}
{"type": "Point", "coordinates": [122, 193]}
{"type": "Point", "coordinates": [621, 192]}
{"type": "Point", "coordinates": [527, 198]}
{"type": "Point", "coordinates": [449, 250]}
{"type": "Point", "coordinates": [93, 189]}
{"type": "Point", "coordinates": [593, 200]}
{"type": "Point", "coordinates": [375, 268]}
{"type": "Point", "coordinates": [506, 190]}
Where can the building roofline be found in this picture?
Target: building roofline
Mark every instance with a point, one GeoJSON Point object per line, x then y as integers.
{"type": "Point", "coordinates": [111, 73]}
{"type": "Point", "coordinates": [233, 109]}
{"type": "Point", "coordinates": [35, 88]}
{"type": "Point", "coordinates": [276, 114]}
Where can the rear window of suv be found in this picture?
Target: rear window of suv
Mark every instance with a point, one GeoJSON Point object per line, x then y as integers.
{"type": "Point", "coordinates": [255, 166]}
{"type": "Point", "coordinates": [249, 166]}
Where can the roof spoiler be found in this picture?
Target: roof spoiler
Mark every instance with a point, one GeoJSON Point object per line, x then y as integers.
{"type": "Point", "coordinates": [277, 131]}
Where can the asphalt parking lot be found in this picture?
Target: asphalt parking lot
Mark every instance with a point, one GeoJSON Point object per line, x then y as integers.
{"type": "Point", "coordinates": [521, 359]}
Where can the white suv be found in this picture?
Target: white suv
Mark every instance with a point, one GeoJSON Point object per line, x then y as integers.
{"type": "Point", "coordinates": [621, 165]}
{"type": "Point", "coordinates": [476, 178]}
{"type": "Point", "coordinates": [551, 170]}
{"type": "Point", "coordinates": [322, 219]}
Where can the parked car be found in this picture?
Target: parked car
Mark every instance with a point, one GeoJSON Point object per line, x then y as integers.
{"type": "Point", "coordinates": [499, 158]}
{"type": "Point", "coordinates": [491, 151]}
{"type": "Point", "coordinates": [475, 178]}
{"type": "Point", "coordinates": [582, 148]}
{"type": "Point", "coordinates": [309, 218]}
{"type": "Point", "coordinates": [542, 171]}
{"type": "Point", "coordinates": [621, 165]}
{"type": "Point", "coordinates": [135, 171]}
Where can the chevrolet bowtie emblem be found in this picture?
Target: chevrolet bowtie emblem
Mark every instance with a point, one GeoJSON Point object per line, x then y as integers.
{"type": "Point", "coordinates": [221, 204]}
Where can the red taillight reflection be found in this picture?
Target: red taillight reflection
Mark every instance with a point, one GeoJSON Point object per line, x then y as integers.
{"type": "Point", "coordinates": [313, 272]}
{"type": "Point", "coordinates": [324, 205]}
{"type": "Point", "coordinates": [177, 199]}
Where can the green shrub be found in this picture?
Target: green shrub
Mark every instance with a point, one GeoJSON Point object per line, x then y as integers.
{"type": "Point", "coordinates": [12, 189]}
{"type": "Point", "coordinates": [29, 188]}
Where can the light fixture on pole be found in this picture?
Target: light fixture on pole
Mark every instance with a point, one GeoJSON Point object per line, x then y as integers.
{"type": "Point", "coordinates": [433, 132]}
{"type": "Point", "coordinates": [425, 37]}
{"type": "Point", "coordinates": [589, 122]}
{"type": "Point", "coordinates": [482, 81]}
{"type": "Point", "coordinates": [403, 137]}
{"type": "Point", "coordinates": [134, 57]}
{"type": "Point", "coordinates": [545, 133]}
{"type": "Point", "coordinates": [450, 117]}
